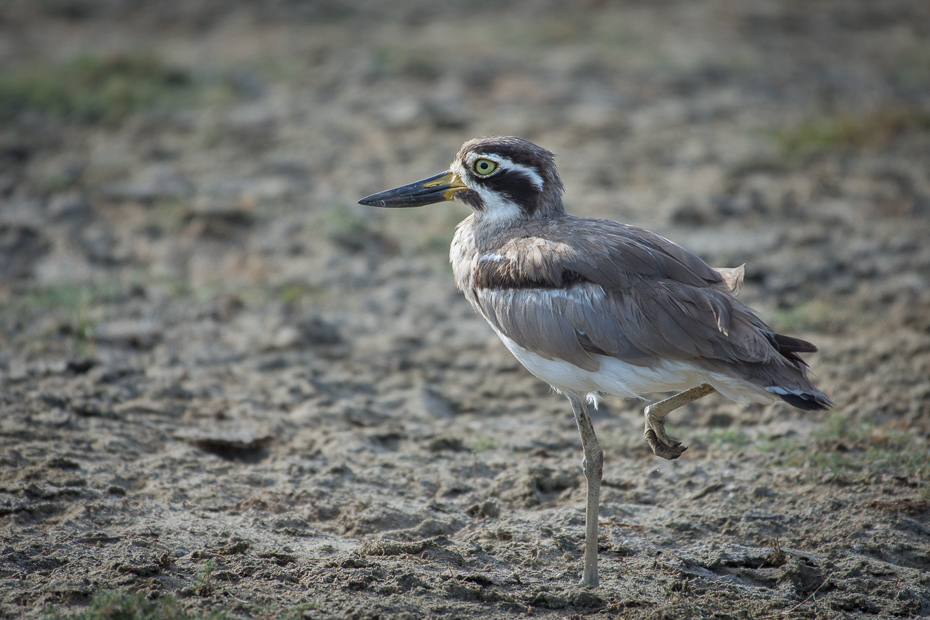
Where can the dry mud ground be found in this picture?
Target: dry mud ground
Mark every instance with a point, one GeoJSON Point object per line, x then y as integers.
{"type": "Point", "coordinates": [224, 382]}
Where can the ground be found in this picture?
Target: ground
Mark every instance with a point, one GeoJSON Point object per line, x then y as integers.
{"type": "Point", "coordinates": [227, 388]}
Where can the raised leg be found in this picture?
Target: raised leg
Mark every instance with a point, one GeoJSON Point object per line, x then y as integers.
{"type": "Point", "coordinates": [658, 440]}
{"type": "Point", "coordinates": [593, 471]}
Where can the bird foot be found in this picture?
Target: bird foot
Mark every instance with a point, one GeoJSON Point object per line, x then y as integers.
{"type": "Point", "coordinates": [670, 452]}
{"type": "Point", "coordinates": [661, 444]}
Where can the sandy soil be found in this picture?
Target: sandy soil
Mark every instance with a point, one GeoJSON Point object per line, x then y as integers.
{"type": "Point", "coordinates": [224, 381]}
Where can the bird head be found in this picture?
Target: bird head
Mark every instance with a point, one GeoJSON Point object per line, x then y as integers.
{"type": "Point", "coordinates": [502, 178]}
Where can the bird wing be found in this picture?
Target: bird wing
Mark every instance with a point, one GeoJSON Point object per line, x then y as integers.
{"type": "Point", "coordinates": [576, 287]}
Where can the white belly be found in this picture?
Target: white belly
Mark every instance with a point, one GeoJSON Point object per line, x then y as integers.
{"type": "Point", "coordinates": [629, 381]}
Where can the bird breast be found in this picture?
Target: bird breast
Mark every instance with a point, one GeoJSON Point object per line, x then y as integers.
{"type": "Point", "coordinates": [464, 258]}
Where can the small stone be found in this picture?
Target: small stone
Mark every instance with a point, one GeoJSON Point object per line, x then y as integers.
{"type": "Point", "coordinates": [68, 205]}
{"type": "Point", "coordinates": [154, 183]}
{"type": "Point", "coordinates": [720, 420]}
{"type": "Point", "coordinates": [136, 334]}
{"type": "Point", "coordinates": [485, 510]}
{"type": "Point", "coordinates": [80, 366]}
{"type": "Point", "coordinates": [402, 114]}
{"type": "Point", "coordinates": [252, 119]}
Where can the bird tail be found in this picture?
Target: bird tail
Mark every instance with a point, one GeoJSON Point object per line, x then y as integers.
{"type": "Point", "coordinates": [802, 394]}
{"type": "Point", "coordinates": [789, 347]}
{"type": "Point", "coordinates": [807, 400]}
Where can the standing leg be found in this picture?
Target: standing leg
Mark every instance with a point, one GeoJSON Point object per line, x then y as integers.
{"type": "Point", "coordinates": [593, 470]}
{"type": "Point", "coordinates": [658, 440]}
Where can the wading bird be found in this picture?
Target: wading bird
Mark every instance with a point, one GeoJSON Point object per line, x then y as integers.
{"type": "Point", "coordinates": [594, 306]}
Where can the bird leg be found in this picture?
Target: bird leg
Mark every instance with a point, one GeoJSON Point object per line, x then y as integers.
{"type": "Point", "coordinates": [593, 465]}
{"type": "Point", "coordinates": [658, 440]}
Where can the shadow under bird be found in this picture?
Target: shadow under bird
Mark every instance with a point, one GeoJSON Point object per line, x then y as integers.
{"type": "Point", "coordinates": [594, 306]}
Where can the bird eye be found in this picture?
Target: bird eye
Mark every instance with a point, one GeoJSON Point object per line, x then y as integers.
{"type": "Point", "coordinates": [484, 167]}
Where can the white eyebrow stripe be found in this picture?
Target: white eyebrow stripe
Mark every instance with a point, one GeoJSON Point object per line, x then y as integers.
{"type": "Point", "coordinates": [505, 162]}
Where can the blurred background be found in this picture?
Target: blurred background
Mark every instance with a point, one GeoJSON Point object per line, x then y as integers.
{"type": "Point", "coordinates": [182, 256]}
{"type": "Point", "coordinates": [163, 155]}
{"type": "Point", "coordinates": [218, 144]}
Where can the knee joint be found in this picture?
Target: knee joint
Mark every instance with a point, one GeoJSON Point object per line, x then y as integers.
{"type": "Point", "coordinates": [594, 465]}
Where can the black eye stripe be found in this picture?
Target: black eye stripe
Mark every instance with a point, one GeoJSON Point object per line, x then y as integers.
{"type": "Point", "coordinates": [516, 186]}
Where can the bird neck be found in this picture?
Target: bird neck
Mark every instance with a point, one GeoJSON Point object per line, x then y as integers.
{"type": "Point", "coordinates": [502, 214]}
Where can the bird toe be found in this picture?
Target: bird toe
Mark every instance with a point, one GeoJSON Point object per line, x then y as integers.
{"type": "Point", "coordinates": [669, 451]}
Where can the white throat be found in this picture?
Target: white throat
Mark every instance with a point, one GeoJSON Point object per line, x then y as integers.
{"type": "Point", "coordinates": [498, 211]}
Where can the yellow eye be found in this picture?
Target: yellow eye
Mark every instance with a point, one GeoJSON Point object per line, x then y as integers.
{"type": "Point", "coordinates": [484, 167]}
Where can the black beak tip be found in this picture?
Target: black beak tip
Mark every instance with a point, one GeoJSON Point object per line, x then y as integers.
{"type": "Point", "coordinates": [368, 202]}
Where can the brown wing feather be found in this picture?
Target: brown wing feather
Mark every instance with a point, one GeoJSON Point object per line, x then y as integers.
{"type": "Point", "coordinates": [623, 292]}
{"type": "Point", "coordinates": [528, 317]}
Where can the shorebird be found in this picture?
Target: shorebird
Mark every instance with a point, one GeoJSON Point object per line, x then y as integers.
{"type": "Point", "coordinates": [593, 306]}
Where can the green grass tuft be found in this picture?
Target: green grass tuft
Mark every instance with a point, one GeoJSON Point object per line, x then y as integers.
{"type": "Point", "coordinates": [811, 316]}
{"type": "Point", "coordinates": [121, 605]}
{"type": "Point", "coordinates": [93, 88]}
{"type": "Point", "coordinates": [731, 437]}
{"type": "Point", "coordinates": [205, 585]}
{"type": "Point", "coordinates": [847, 448]}
{"type": "Point", "coordinates": [70, 310]}
{"type": "Point", "coordinates": [841, 450]}
{"type": "Point", "coordinates": [848, 132]}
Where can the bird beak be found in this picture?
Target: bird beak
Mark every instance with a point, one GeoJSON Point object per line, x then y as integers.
{"type": "Point", "coordinates": [439, 188]}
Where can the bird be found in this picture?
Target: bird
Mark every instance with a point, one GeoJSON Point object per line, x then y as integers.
{"type": "Point", "coordinates": [594, 306]}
